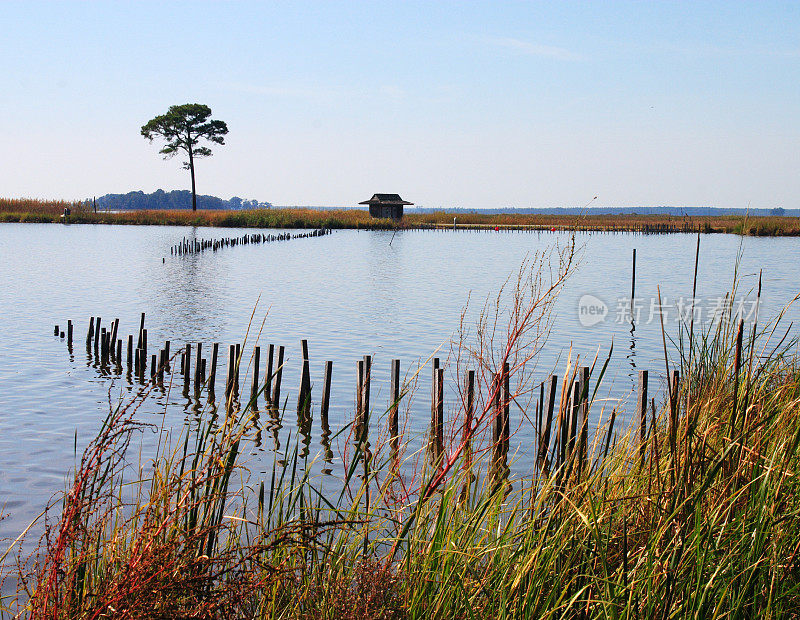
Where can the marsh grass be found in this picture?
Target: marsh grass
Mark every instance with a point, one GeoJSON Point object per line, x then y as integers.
{"type": "Point", "coordinates": [700, 517]}
{"type": "Point", "coordinates": [35, 210]}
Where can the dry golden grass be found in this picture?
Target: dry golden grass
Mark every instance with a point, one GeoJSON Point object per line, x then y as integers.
{"type": "Point", "coordinates": [35, 210]}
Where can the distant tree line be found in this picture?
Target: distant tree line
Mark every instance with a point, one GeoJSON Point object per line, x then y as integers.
{"type": "Point", "coordinates": [176, 199]}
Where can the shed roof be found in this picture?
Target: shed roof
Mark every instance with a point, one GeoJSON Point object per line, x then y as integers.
{"type": "Point", "coordinates": [386, 199]}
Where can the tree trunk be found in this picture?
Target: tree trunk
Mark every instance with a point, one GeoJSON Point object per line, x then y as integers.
{"type": "Point", "coordinates": [191, 170]}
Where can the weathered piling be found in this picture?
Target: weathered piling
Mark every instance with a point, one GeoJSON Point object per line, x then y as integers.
{"type": "Point", "coordinates": [496, 395]}
{"type": "Point", "coordinates": [469, 413]}
{"type": "Point", "coordinates": [114, 330]}
{"type": "Point", "coordinates": [365, 400]}
{"type": "Point", "coordinates": [198, 370]}
{"type": "Point", "coordinates": [236, 368]}
{"type": "Point", "coordinates": [547, 417]}
{"type": "Point", "coordinates": [130, 351]}
{"type": "Point", "coordinates": [90, 333]}
{"type": "Point", "coordinates": [141, 330]}
{"type": "Point", "coordinates": [633, 281]}
{"type": "Point", "coordinates": [268, 374]}
{"type": "Point", "coordinates": [304, 394]}
{"type": "Point", "coordinates": [254, 387]}
{"type": "Point", "coordinates": [326, 391]}
{"type": "Point", "coordinates": [584, 420]}
{"type": "Point", "coordinates": [97, 336]}
{"type": "Point", "coordinates": [394, 405]}
{"type": "Point", "coordinates": [276, 390]}
{"type": "Point", "coordinates": [144, 348]}
{"type": "Point", "coordinates": [187, 367]}
{"type": "Point", "coordinates": [212, 375]}
{"type": "Point", "coordinates": [229, 379]}
{"type": "Point", "coordinates": [641, 411]}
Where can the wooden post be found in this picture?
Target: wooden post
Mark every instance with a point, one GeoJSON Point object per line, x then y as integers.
{"type": "Point", "coordinates": [153, 367]}
{"type": "Point", "coordinates": [584, 420]}
{"type": "Point", "coordinates": [633, 281]}
{"type": "Point", "coordinates": [737, 367]}
{"type": "Point", "coordinates": [506, 414]}
{"type": "Point", "coordinates": [256, 363]}
{"type": "Point", "coordinates": [359, 401]}
{"type": "Point", "coordinates": [547, 415]}
{"type": "Point", "coordinates": [326, 391]}
{"type": "Point", "coordinates": [97, 335]}
{"type": "Point", "coordinates": [198, 370]}
{"type": "Point", "coordinates": [119, 355]}
{"type": "Point", "coordinates": [114, 329]}
{"type": "Point", "coordinates": [141, 329]}
{"type": "Point", "coordinates": [394, 395]}
{"type": "Point", "coordinates": [161, 363]}
{"type": "Point", "coordinates": [673, 416]}
{"type": "Point", "coordinates": [187, 367]}
{"type": "Point", "coordinates": [468, 417]}
{"type": "Point", "coordinates": [144, 348]}
{"type": "Point", "coordinates": [229, 379]}
{"type": "Point", "coordinates": [130, 351]}
{"type": "Point", "coordinates": [90, 333]}
{"type": "Point", "coordinates": [268, 374]}
{"type": "Point", "coordinates": [304, 395]}
{"type": "Point", "coordinates": [641, 410]}
{"type": "Point", "coordinates": [439, 415]}
{"type": "Point", "coordinates": [236, 369]}
{"type": "Point", "coordinates": [69, 333]}
{"type": "Point", "coordinates": [212, 377]}
{"type": "Point", "coordinates": [276, 389]}
{"type": "Point", "coordinates": [495, 393]}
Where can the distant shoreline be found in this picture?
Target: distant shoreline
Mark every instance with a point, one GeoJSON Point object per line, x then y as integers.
{"type": "Point", "coordinates": [29, 211]}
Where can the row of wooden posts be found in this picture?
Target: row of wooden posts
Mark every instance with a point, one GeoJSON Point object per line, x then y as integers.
{"type": "Point", "coordinates": [195, 246]}
{"type": "Point", "coordinates": [562, 428]}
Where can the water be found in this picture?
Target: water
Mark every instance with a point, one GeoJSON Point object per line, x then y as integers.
{"type": "Point", "coordinates": [350, 294]}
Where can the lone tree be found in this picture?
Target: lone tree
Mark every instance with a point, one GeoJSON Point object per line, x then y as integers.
{"type": "Point", "coordinates": [183, 126]}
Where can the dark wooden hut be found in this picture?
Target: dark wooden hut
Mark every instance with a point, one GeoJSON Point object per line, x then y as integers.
{"type": "Point", "coordinates": [386, 205]}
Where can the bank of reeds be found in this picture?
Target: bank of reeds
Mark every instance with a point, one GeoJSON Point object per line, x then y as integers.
{"type": "Point", "coordinates": [695, 514]}
{"type": "Point", "coordinates": [34, 210]}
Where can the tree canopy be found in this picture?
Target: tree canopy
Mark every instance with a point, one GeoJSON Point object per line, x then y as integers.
{"type": "Point", "coordinates": [182, 128]}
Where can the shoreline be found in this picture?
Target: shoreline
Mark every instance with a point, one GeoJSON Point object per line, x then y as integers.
{"type": "Point", "coordinates": [776, 226]}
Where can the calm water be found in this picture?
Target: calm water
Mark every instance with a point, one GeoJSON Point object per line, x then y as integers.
{"type": "Point", "coordinates": [350, 294]}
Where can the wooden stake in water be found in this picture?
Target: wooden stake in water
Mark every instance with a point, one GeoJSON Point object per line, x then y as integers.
{"type": "Point", "coordinates": [187, 367]}
{"type": "Point", "coordinates": [633, 281]}
{"type": "Point", "coordinates": [268, 374]}
{"type": "Point", "coordinates": [212, 376]}
{"type": "Point", "coordinates": [394, 395]}
{"type": "Point", "coordinates": [584, 419]}
{"type": "Point", "coordinates": [276, 392]}
{"type": "Point", "coordinates": [198, 370]}
{"type": "Point", "coordinates": [90, 333]}
{"type": "Point", "coordinates": [229, 378]}
{"type": "Point", "coordinates": [97, 335]}
{"type": "Point", "coordinates": [256, 363]}
{"type": "Point", "coordinates": [547, 416]}
{"type": "Point", "coordinates": [326, 391]}
{"type": "Point", "coordinates": [641, 410]}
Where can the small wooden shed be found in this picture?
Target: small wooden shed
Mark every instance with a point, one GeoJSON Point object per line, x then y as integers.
{"type": "Point", "coordinates": [386, 205]}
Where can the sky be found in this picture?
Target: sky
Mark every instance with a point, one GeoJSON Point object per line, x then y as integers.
{"type": "Point", "coordinates": [450, 104]}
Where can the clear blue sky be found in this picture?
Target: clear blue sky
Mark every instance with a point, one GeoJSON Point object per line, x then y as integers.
{"type": "Point", "coordinates": [452, 104]}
